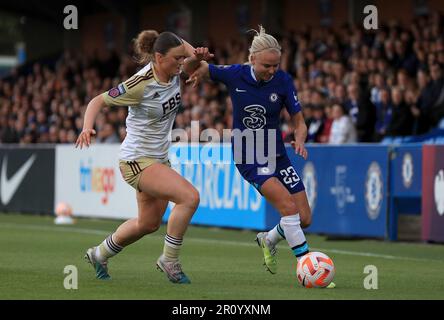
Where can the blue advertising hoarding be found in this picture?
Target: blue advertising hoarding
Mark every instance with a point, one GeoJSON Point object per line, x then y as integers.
{"type": "Point", "coordinates": [226, 199]}
{"type": "Point", "coordinates": [406, 173]}
{"type": "Point", "coordinates": [347, 188]}
{"type": "Point", "coordinates": [405, 184]}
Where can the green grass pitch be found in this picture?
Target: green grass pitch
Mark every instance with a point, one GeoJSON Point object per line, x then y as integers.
{"type": "Point", "coordinates": [222, 264]}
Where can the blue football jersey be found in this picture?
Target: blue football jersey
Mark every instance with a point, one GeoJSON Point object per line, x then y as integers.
{"type": "Point", "coordinates": [257, 107]}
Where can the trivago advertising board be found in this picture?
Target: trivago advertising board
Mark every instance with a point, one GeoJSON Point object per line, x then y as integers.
{"type": "Point", "coordinates": [90, 181]}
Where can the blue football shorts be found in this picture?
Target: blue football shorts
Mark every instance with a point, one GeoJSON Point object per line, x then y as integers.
{"type": "Point", "coordinates": [284, 171]}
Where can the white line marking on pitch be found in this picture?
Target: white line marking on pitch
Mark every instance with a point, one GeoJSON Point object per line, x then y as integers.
{"type": "Point", "coordinates": [205, 241]}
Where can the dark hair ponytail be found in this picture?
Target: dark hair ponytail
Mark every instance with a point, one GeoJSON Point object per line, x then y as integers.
{"type": "Point", "coordinates": [150, 41]}
{"type": "Point", "coordinates": [144, 46]}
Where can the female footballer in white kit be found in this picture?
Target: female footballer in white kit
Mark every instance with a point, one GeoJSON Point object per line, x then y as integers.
{"type": "Point", "coordinates": [153, 98]}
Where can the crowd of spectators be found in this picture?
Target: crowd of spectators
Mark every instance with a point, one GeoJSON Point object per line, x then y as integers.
{"type": "Point", "coordinates": [354, 86]}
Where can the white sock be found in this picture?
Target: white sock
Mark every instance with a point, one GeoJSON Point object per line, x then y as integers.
{"type": "Point", "coordinates": [107, 249]}
{"type": "Point", "coordinates": [171, 248]}
{"type": "Point", "coordinates": [275, 235]}
{"type": "Point", "coordinates": [294, 234]}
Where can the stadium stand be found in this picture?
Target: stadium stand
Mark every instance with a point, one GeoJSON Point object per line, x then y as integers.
{"type": "Point", "coordinates": [390, 82]}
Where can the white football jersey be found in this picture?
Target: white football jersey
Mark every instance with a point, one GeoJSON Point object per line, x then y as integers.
{"type": "Point", "coordinates": [152, 107]}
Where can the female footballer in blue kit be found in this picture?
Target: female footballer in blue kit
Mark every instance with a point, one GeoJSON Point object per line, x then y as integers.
{"type": "Point", "coordinates": [259, 90]}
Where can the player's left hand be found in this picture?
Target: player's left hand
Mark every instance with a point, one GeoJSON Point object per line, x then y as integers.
{"type": "Point", "coordinates": [299, 148]}
{"type": "Point", "coordinates": [84, 138]}
{"type": "Point", "coordinates": [195, 78]}
{"type": "Point", "coordinates": [202, 53]}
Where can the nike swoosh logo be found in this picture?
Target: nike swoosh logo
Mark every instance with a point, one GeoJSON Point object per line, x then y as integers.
{"type": "Point", "coordinates": [8, 187]}
{"type": "Point", "coordinates": [240, 90]}
{"type": "Point", "coordinates": [294, 185]}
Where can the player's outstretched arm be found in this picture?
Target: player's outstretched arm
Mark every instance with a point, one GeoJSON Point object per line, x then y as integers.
{"type": "Point", "coordinates": [300, 134]}
{"type": "Point", "coordinates": [193, 62]}
{"type": "Point", "coordinates": [194, 57]}
{"type": "Point", "coordinates": [201, 74]}
{"type": "Point", "coordinates": [93, 108]}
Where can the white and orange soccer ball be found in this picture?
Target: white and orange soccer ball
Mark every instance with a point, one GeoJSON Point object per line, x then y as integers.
{"type": "Point", "coordinates": [63, 213]}
{"type": "Point", "coordinates": [315, 270]}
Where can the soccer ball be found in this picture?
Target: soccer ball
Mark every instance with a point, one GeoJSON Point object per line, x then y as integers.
{"type": "Point", "coordinates": [315, 270]}
{"type": "Point", "coordinates": [63, 209]}
{"type": "Point", "coordinates": [63, 213]}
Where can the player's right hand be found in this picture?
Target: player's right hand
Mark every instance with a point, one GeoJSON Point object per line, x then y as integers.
{"type": "Point", "coordinates": [202, 53]}
{"type": "Point", "coordinates": [299, 148]}
{"type": "Point", "coordinates": [84, 138]}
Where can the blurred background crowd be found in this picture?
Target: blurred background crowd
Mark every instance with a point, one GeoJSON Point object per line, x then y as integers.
{"type": "Point", "coordinates": [354, 86]}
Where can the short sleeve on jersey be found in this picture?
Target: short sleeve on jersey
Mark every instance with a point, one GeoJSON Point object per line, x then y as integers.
{"type": "Point", "coordinates": [128, 93]}
{"type": "Point", "coordinates": [224, 73]}
{"type": "Point", "coordinates": [291, 100]}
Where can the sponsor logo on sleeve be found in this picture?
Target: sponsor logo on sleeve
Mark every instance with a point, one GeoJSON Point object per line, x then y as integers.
{"type": "Point", "coordinates": [117, 91]}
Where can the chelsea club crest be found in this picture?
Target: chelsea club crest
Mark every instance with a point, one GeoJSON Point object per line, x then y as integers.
{"type": "Point", "coordinates": [310, 183]}
{"type": "Point", "coordinates": [374, 190]}
{"type": "Point", "coordinates": [273, 97]}
{"type": "Point", "coordinates": [407, 170]}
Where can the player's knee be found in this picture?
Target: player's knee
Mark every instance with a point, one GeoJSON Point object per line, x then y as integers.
{"type": "Point", "coordinates": [192, 198]}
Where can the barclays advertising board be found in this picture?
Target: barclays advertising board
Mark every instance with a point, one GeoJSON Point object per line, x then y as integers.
{"type": "Point", "coordinates": [226, 199]}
